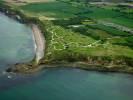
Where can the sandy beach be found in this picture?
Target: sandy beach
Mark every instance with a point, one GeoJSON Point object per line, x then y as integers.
{"type": "Point", "coordinates": [40, 42]}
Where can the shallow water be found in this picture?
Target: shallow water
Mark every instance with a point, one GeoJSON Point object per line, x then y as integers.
{"type": "Point", "coordinates": [16, 42]}
{"type": "Point", "coordinates": [68, 84]}
{"type": "Point", "coordinates": [17, 45]}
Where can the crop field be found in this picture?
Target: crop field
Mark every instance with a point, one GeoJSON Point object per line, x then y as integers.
{"type": "Point", "coordinates": [52, 9]}
{"type": "Point", "coordinates": [28, 1]}
{"type": "Point", "coordinates": [66, 10]}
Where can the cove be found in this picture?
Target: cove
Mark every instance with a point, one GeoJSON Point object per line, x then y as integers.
{"type": "Point", "coordinates": [16, 42]}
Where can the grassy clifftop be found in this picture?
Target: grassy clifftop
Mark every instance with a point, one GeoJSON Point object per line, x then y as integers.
{"type": "Point", "coordinates": [74, 32]}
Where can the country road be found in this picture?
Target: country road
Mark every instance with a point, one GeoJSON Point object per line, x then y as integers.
{"type": "Point", "coordinates": [39, 41]}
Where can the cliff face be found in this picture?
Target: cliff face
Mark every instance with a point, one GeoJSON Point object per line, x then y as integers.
{"type": "Point", "coordinates": [107, 61]}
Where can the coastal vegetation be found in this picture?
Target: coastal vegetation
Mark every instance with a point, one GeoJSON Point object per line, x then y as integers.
{"type": "Point", "coordinates": [79, 32]}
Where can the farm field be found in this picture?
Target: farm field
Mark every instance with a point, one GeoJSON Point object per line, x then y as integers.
{"type": "Point", "coordinates": [63, 10]}
{"type": "Point", "coordinates": [27, 1]}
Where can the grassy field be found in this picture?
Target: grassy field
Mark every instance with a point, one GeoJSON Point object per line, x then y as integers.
{"type": "Point", "coordinates": [73, 33]}
{"type": "Point", "coordinates": [52, 9]}
{"type": "Point", "coordinates": [23, 2]}
{"type": "Point", "coordinates": [67, 10]}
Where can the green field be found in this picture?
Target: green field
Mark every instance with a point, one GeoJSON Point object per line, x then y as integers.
{"type": "Point", "coordinates": [67, 10]}
{"type": "Point", "coordinates": [52, 9]}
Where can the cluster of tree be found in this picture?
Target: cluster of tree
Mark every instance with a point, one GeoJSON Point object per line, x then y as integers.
{"type": "Point", "coordinates": [71, 21]}
{"type": "Point", "coordinates": [128, 42]}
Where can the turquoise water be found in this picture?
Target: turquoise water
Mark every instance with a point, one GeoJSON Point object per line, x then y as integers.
{"type": "Point", "coordinates": [68, 84]}
{"type": "Point", "coordinates": [16, 41]}
{"type": "Point", "coordinates": [16, 45]}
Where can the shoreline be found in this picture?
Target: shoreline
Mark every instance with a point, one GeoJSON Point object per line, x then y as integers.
{"type": "Point", "coordinates": [31, 67]}
{"type": "Point", "coordinates": [38, 37]}
{"type": "Point", "coordinates": [39, 43]}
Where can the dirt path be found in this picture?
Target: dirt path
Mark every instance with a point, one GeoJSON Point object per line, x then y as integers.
{"type": "Point", "coordinates": [40, 42]}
